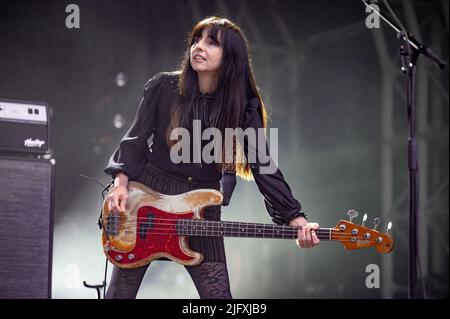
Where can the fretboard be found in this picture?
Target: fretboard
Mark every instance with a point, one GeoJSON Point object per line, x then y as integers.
{"type": "Point", "coordinates": [192, 227]}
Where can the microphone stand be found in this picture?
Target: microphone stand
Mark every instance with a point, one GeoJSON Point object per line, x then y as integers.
{"type": "Point", "coordinates": [409, 54]}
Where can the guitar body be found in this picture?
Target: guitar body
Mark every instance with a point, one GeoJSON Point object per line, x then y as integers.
{"type": "Point", "coordinates": [147, 230]}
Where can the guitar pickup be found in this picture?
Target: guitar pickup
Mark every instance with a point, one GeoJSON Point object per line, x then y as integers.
{"type": "Point", "coordinates": [112, 225]}
{"type": "Point", "coordinates": [145, 225]}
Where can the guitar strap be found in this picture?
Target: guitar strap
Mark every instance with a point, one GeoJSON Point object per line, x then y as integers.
{"type": "Point", "coordinates": [228, 182]}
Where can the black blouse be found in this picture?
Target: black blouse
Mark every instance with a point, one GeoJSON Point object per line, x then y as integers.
{"type": "Point", "coordinates": [152, 117]}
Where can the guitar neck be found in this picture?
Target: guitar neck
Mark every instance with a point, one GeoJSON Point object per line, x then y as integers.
{"type": "Point", "coordinates": [192, 227]}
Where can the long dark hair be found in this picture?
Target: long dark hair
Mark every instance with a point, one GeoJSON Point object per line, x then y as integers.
{"type": "Point", "coordinates": [236, 84]}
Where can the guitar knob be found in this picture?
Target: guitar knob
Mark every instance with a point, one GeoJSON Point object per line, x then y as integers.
{"type": "Point", "coordinates": [352, 214]}
{"type": "Point", "coordinates": [376, 222]}
{"type": "Point", "coordinates": [364, 219]}
{"type": "Point", "coordinates": [389, 227]}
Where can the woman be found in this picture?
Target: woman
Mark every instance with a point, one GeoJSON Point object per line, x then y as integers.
{"type": "Point", "coordinates": [215, 86]}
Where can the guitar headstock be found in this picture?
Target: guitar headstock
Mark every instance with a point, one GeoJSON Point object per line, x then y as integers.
{"type": "Point", "coordinates": [354, 236]}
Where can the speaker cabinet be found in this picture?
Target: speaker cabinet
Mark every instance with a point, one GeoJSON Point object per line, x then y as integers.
{"type": "Point", "coordinates": [26, 227]}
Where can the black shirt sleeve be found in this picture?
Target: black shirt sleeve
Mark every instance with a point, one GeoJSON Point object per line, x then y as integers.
{"type": "Point", "coordinates": [278, 199]}
{"type": "Point", "coordinates": [130, 156]}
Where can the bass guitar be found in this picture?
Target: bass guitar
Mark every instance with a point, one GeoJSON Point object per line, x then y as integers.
{"type": "Point", "coordinates": [156, 225]}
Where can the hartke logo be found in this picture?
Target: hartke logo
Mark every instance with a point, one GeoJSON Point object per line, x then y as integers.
{"type": "Point", "coordinates": [33, 143]}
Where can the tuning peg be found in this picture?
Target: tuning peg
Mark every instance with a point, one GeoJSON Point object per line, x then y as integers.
{"type": "Point", "coordinates": [364, 219]}
{"type": "Point", "coordinates": [352, 214]}
{"type": "Point", "coordinates": [389, 227]}
{"type": "Point", "coordinates": [376, 222]}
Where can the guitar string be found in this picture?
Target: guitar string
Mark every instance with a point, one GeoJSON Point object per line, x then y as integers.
{"type": "Point", "coordinates": [214, 226]}
{"type": "Point", "coordinates": [168, 231]}
{"type": "Point", "coordinates": [223, 225]}
{"type": "Point", "coordinates": [324, 238]}
{"type": "Point", "coordinates": [198, 222]}
{"type": "Point", "coordinates": [217, 225]}
{"type": "Point", "coordinates": [193, 221]}
{"type": "Point", "coordinates": [279, 236]}
{"type": "Point", "coordinates": [284, 236]}
{"type": "Point", "coordinates": [139, 221]}
{"type": "Point", "coordinates": [205, 223]}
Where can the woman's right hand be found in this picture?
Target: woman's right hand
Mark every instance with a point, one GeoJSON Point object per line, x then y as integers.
{"type": "Point", "coordinates": [118, 195]}
{"type": "Point", "coordinates": [117, 198]}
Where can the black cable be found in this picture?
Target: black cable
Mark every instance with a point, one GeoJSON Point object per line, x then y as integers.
{"type": "Point", "coordinates": [104, 280]}
{"type": "Point", "coordinates": [408, 45]}
{"type": "Point", "coordinates": [93, 180]}
{"type": "Point", "coordinates": [422, 280]}
{"type": "Point", "coordinates": [105, 190]}
{"type": "Point", "coordinates": [424, 287]}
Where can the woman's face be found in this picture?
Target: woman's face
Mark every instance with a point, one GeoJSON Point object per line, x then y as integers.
{"type": "Point", "coordinates": [206, 54]}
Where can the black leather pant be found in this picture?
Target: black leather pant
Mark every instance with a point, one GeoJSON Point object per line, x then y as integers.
{"type": "Point", "coordinates": [210, 279]}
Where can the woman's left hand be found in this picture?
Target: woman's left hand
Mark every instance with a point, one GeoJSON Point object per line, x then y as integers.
{"type": "Point", "coordinates": [307, 237]}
